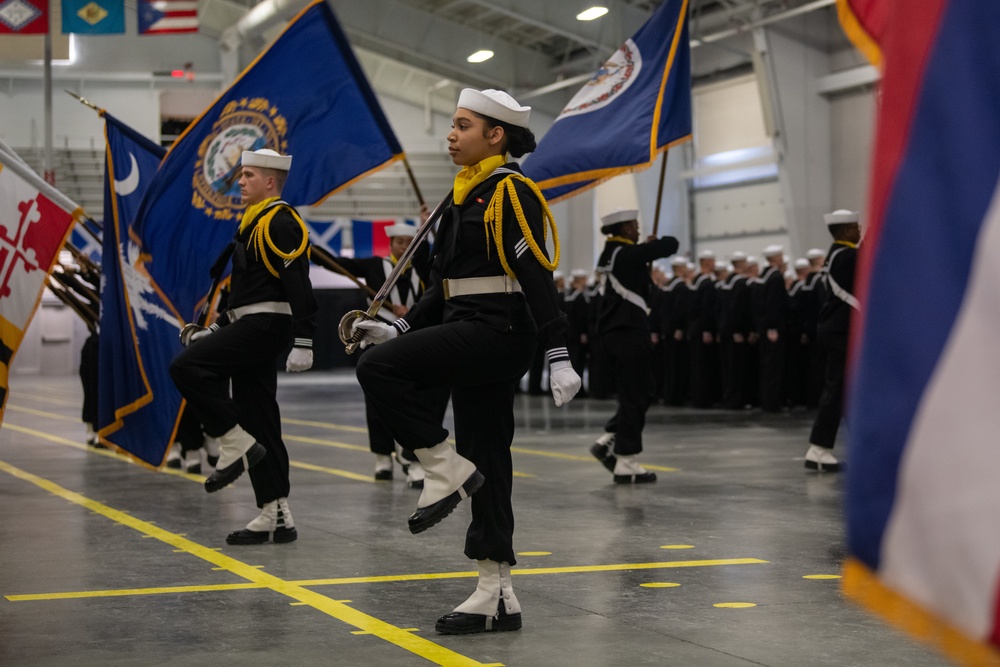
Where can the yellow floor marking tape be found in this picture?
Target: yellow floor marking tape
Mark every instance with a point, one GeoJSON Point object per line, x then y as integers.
{"type": "Point", "coordinates": [332, 427]}
{"type": "Point", "coordinates": [333, 471]}
{"type": "Point", "coordinates": [326, 443]}
{"type": "Point", "coordinates": [387, 578]}
{"type": "Point", "coordinates": [43, 413]}
{"type": "Point", "coordinates": [424, 648]}
{"type": "Point", "coordinates": [578, 457]}
{"type": "Point", "coordinates": [49, 399]}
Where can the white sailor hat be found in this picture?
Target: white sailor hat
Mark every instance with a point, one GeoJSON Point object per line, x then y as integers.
{"type": "Point", "coordinates": [579, 273]}
{"type": "Point", "coordinates": [840, 217]}
{"type": "Point", "coordinates": [706, 254]}
{"type": "Point", "coordinates": [619, 215]}
{"type": "Point", "coordinates": [401, 229]}
{"type": "Point", "coordinates": [738, 256]}
{"type": "Point", "coordinates": [677, 260]}
{"type": "Point", "coordinates": [495, 104]}
{"type": "Point", "coordinates": [557, 275]}
{"type": "Point", "coordinates": [802, 263]}
{"type": "Point", "coordinates": [772, 250]}
{"type": "Point", "coordinates": [266, 159]}
{"type": "Point", "coordinates": [815, 253]}
{"type": "Point", "coordinates": [751, 259]}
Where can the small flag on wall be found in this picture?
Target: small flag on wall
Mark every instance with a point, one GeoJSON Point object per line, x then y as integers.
{"type": "Point", "coordinates": [24, 17]}
{"type": "Point", "coordinates": [160, 17]}
{"type": "Point", "coordinates": [93, 17]}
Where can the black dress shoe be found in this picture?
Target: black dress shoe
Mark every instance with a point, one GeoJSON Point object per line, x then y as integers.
{"type": "Point", "coordinates": [425, 517]}
{"type": "Point", "coordinates": [604, 454]}
{"type": "Point", "coordinates": [642, 478]}
{"type": "Point", "coordinates": [280, 536]}
{"type": "Point", "coordinates": [383, 475]}
{"type": "Point", "coordinates": [415, 484]}
{"type": "Point", "coordinates": [461, 623]}
{"type": "Point", "coordinates": [225, 476]}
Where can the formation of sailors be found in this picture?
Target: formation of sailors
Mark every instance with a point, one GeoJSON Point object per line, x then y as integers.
{"type": "Point", "coordinates": [735, 335]}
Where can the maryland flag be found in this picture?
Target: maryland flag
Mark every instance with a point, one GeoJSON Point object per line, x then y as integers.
{"type": "Point", "coordinates": [35, 221]}
{"type": "Point", "coordinates": [923, 494]}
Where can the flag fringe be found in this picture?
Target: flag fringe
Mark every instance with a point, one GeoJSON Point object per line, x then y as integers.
{"type": "Point", "coordinates": [856, 32]}
{"type": "Point", "coordinates": [862, 585]}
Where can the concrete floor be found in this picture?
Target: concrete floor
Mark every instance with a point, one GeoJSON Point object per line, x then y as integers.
{"type": "Point", "coordinates": [107, 563]}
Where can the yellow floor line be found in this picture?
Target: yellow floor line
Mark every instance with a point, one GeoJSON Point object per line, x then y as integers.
{"type": "Point", "coordinates": [48, 399]}
{"type": "Point", "coordinates": [325, 443]}
{"type": "Point", "coordinates": [579, 457]}
{"type": "Point", "coordinates": [388, 578]}
{"type": "Point", "coordinates": [326, 425]}
{"type": "Point", "coordinates": [409, 641]}
{"type": "Point", "coordinates": [333, 471]}
{"type": "Point", "coordinates": [43, 413]}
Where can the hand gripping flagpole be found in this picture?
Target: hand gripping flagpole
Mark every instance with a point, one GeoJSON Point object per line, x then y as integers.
{"type": "Point", "coordinates": [349, 338]}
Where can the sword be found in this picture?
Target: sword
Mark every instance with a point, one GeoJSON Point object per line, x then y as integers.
{"type": "Point", "coordinates": [352, 340]}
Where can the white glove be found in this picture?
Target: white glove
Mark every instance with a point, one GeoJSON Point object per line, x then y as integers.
{"type": "Point", "coordinates": [192, 332]}
{"type": "Point", "coordinates": [564, 382]}
{"type": "Point", "coordinates": [299, 359]}
{"type": "Point", "coordinates": [198, 335]}
{"type": "Point", "coordinates": [374, 332]}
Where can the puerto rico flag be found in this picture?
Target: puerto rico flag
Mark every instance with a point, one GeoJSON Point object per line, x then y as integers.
{"type": "Point", "coordinates": [24, 17]}
{"type": "Point", "coordinates": [923, 489]}
{"type": "Point", "coordinates": [159, 17]}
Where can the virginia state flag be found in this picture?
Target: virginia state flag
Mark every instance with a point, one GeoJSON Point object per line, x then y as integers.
{"type": "Point", "coordinates": [923, 487]}
{"type": "Point", "coordinates": [138, 404]}
{"type": "Point", "coordinates": [636, 105]}
{"type": "Point", "coordinates": [306, 96]}
{"type": "Point", "coordinates": [93, 17]}
{"type": "Point", "coordinates": [34, 224]}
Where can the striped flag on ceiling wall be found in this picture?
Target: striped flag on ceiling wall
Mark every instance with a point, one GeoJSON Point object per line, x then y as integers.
{"type": "Point", "coordinates": [160, 17]}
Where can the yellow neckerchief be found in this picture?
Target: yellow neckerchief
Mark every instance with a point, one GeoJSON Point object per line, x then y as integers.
{"type": "Point", "coordinates": [847, 243]}
{"type": "Point", "coordinates": [494, 217]}
{"type": "Point", "coordinates": [620, 239]}
{"type": "Point", "coordinates": [260, 235]}
{"type": "Point", "coordinates": [470, 177]}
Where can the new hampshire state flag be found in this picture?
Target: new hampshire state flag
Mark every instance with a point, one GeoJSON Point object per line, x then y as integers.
{"type": "Point", "coordinates": [93, 17]}
{"type": "Point", "coordinates": [923, 486]}
{"type": "Point", "coordinates": [307, 97]}
{"type": "Point", "coordinates": [137, 404]}
{"type": "Point", "coordinates": [636, 105]}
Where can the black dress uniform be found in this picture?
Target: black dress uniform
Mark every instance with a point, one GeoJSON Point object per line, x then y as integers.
{"type": "Point", "coordinates": [480, 345]}
{"type": "Point", "coordinates": [771, 310]}
{"type": "Point", "coordinates": [408, 288]}
{"type": "Point", "coordinates": [735, 321]}
{"type": "Point", "coordinates": [246, 347]}
{"type": "Point", "coordinates": [832, 329]}
{"type": "Point", "coordinates": [701, 321]}
{"type": "Point", "coordinates": [623, 326]}
{"type": "Point", "coordinates": [675, 346]}
{"type": "Point", "coordinates": [576, 306]}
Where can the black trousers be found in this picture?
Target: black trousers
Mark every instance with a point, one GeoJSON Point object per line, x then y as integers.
{"type": "Point", "coordinates": [245, 353]}
{"type": "Point", "coordinates": [630, 353]}
{"type": "Point", "coordinates": [481, 366]}
{"type": "Point", "coordinates": [772, 372]}
{"type": "Point", "coordinates": [702, 371]}
{"type": "Point", "coordinates": [831, 401]}
{"type": "Point", "coordinates": [732, 371]}
{"type": "Point", "coordinates": [380, 439]}
{"type": "Point", "coordinates": [88, 378]}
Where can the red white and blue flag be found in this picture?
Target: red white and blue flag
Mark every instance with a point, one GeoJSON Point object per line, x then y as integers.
{"type": "Point", "coordinates": [923, 489]}
{"type": "Point", "coordinates": [159, 17]}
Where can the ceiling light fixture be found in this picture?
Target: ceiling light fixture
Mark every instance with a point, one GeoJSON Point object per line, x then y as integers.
{"type": "Point", "coordinates": [480, 56]}
{"type": "Point", "coordinates": [592, 13]}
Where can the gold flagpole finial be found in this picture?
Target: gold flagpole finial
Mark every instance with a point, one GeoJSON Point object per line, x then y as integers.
{"type": "Point", "coordinates": [84, 101]}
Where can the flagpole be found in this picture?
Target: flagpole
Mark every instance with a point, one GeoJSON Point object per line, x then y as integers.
{"type": "Point", "coordinates": [48, 170]}
{"type": "Point", "coordinates": [413, 182]}
{"type": "Point", "coordinates": [659, 193]}
{"type": "Point", "coordinates": [327, 261]}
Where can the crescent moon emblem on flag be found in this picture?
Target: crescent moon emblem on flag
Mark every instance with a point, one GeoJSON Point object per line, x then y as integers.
{"type": "Point", "coordinates": [127, 185]}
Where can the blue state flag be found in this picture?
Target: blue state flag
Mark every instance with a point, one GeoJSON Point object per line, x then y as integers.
{"type": "Point", "coordinates": [305, 96]}
{"type": "Point", "coordinates": [636, 105]}
{"type": "Point", "coordinates": [93, 17]}
{"type": "Point", "coordinates": [137, 404]}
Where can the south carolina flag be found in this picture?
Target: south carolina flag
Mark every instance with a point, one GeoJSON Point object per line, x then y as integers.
{"type": "Point", "coordinates": [923, 487]}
